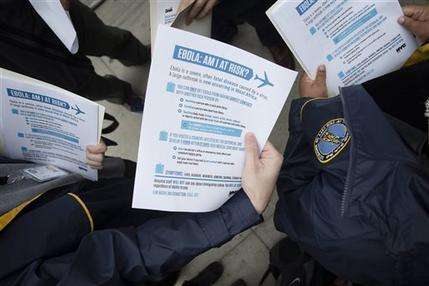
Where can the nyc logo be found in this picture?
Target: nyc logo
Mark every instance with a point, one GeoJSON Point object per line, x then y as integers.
{"type": "Point", "coordinates": [332, 138]}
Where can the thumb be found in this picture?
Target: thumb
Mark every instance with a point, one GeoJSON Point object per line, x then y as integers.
{"type": "Point", "coordinates": [305, 78]}
{"type": "Point", "coordinates": [97, 149]}
{"type": "Point", "coordinates": [321, 75]}
{"type": "Point", "coordinates": [410, 24]}
{"type": "Point", "coordinates": [252, 150]}
{"type": "Point", "coordinates": [417, 12]}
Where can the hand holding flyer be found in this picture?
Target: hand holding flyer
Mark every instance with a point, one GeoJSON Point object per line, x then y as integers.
{"type": "Point", "coordinates": [45, 124]}
{"type": "Point", "coordinates": [356, 40]}
{"type": "Point", "coordinates": [203, 96]}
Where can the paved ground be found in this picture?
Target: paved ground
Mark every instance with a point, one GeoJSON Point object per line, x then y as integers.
{"type": "Point", "coordinates": [246, 256]}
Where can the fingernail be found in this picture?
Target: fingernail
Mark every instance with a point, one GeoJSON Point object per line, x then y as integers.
{"type": "Point", "coordinates": [322, 68]}
{"type": "Point", "coordinates": [401, 20]}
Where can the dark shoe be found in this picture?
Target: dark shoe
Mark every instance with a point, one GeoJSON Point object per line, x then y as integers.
{"type": "Point", "coordinates": [207, 277]}
{"type": "Point", "coordinates": [283, 56]}
{"type": "Point", "coordinates": [224, 31]}
{"type": "Point", "coordinates": [169, 281]}
{"type": "Point", "coordinates": [141, 56]}
{"type": "Point", "coordinates": [135, 103]}
{"type": "Point", "coordinates": [239, 282]}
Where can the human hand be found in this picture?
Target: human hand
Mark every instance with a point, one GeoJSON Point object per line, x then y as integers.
{"type": "Point", "coordinates": [200, 9]}
{"type": "Point", "coordinates": [314, 88]}
{"type": "Point", "coordinates": [95, 155]}
{"type": "Point", "coordinates": [416, 20]}
{"type": "Point", "coordinates": [260, 172]}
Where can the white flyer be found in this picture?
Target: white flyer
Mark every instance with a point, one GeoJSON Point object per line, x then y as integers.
{"type": "Point", "coordinates": [45, 124]}
{"type": "Point", "coordinates": [356, 40]}
{"type": "Point", "coordinates": [203, 96]}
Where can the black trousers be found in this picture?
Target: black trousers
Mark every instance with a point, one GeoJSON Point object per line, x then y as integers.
{"type": "Point", "coordinates": [28, 46]}
{"type": "Point", "coordinates": [98, 39]}
{"type": "Point", "coordinates": [252, 12]}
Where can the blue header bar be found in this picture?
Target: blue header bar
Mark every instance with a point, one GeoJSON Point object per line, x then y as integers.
{"type": "Point", "coordinates": [210, 128]}
{"type": "Point", "coordinates": [304, 6]}
{"type": "Point", "coordinates": [212, 61]}
{"type": "Point", "coordinates": [356, 25]}
{"type": "Point", "coordinates": [37, 97]}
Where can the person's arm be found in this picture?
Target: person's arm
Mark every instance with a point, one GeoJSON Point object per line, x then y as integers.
{"type": "Point", "coordinates": [159, 247]}
{"type": "Point", "coordinates": [298, 168]}
{"type": "Point", "coordinates": [149, 252]}
{"type": "Point", "coordinates": [164, 245]}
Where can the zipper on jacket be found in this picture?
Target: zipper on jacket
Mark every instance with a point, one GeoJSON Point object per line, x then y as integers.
{"type": "Point", "coordinates": [346, 189]}
{"type": "Point", "coordinates": [344, 195]}
{"type": "Point", "coordinates": [427, 111]}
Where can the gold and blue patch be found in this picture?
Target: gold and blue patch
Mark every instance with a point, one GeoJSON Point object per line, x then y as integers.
{"type": "Point", "coordinates": [332, 138]}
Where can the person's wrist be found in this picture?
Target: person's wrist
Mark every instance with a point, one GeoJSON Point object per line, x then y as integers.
{"type": "Point", "coordinates": [258, 203]}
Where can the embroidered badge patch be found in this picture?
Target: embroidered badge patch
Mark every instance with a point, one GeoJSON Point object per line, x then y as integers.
{"type": "Point", "coordinates": [331, 140]}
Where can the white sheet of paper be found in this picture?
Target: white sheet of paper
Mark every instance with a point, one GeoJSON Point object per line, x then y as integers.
{"type": "Point", "coordinates": [54, 15]}
{"type": "Point", "coordinates": [46, 124]}
{"type": "Point", "coordinates": [356, 40]}
{"type": "Point", "coordinates": [202, 98]}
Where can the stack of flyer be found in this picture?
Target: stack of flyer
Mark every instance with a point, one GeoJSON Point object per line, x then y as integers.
{"type": "Point", "coordinates": [45, 124]}
{"type": "Point", "coordinates": [356, 40]}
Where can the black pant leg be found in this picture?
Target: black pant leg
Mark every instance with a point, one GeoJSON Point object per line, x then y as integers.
{"type": "Point", "coordinates": [266, 31]}
{"type": "Point", "coordinates": [403, 93]}
{"type": "Point", "coordinates": [98, 39]}
{"type": "Point", "coordinates": [236, 8]}
{"type": "Point", "coordinates": [253, 12]}
{"type": "Point", "coordinates": [106, 87]}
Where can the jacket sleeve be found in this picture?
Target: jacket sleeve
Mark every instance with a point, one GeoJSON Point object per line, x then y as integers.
{"type": "Point", "coordinates": [297, 172]}
{"type": "Point", "coordinates": [156, 248]}
{"type": "Point", "coordinates": [298, 166]}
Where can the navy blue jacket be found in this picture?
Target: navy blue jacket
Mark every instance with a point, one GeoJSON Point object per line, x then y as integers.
{"type": "Point", "coordinates": [53, 243]}
{"type": "Point", "coordinates": [352, 194]}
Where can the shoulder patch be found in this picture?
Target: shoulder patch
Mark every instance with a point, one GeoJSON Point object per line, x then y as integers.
{"type": "Point", "coordinates": [332, 138]}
